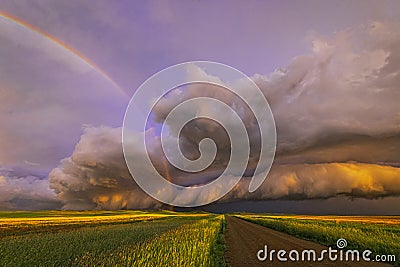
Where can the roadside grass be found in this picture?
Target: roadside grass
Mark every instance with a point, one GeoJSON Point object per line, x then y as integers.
{"type": "Point", "coordinates": [195, 244]}
{"type": "Point", "coordinates": [218, 246]}
{"type": "Point", "coordinates": [380, 238]}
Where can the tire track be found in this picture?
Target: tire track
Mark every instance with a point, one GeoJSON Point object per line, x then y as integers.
{"type": "Point", "coordinates": [244, 239]}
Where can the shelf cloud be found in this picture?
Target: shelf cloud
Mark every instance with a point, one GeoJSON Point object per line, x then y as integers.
{"type": "Point", "coordinates": [338, 125]}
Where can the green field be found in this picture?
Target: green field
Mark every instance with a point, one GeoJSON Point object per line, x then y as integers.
{"type": "Point", "coordinates": [380, 234]}
{"type": "Point", "coordinates": [124, 238]}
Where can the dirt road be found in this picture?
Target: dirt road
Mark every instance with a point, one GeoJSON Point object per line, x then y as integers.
{"type": "Point", "coordinates": [245, 239]}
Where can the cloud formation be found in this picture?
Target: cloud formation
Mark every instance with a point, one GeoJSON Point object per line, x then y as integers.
{"type": "Point", "coordinates": [96, 176]}
{"type": "Point", "coordinates": [347, 88]}
{"type": "Point", "coordinates": [338, 124]}
{"type": "Point", "coordinates": [25, 192]}
{"type": "Point", "coordinates": [331, 105]}
{"type": "Point", "coordinates": [309, 181]}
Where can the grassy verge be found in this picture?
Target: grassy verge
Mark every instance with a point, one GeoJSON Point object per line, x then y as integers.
{"type": "Point", "coordinates": [382, 239]}
{"type": "Point", "coordinates": [218, 246]}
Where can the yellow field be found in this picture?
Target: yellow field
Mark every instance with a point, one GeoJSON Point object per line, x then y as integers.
{"type": "Point", "coordinates": [360, 219]}
{"type": "Point", "coordinates": [127, 238]}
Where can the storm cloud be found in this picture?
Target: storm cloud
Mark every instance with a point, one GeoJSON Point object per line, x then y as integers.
{"type": "Point", "coordinates": [338, 125]}
{"type": "Point", "coordinates": [96, 176]}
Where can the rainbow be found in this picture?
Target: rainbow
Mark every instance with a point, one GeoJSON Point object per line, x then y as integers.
{"type": "Point", "coordinates": [11, 19]}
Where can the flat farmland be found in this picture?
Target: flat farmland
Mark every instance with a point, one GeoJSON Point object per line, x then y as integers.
{"type": "Point", "coordinates": [166, 238]}
{"type": "Point", "coordinates": [123, 238]}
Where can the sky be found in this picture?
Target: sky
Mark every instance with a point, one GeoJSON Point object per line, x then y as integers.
{"type": "Point", "coordinates": [329, 70]}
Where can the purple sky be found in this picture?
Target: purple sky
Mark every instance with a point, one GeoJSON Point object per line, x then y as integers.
{"type": "Point", "coordinates": [48, 96]}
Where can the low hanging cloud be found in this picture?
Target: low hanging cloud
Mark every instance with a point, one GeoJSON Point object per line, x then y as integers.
{"type": "Point", "coordinates": [96, 176]}
{"type": "Point", "coordinates": [309, 181]}
{"type": "Point", "coordinates": [338, 125]}
{"type": "Point", "coordinates": [25, 192]}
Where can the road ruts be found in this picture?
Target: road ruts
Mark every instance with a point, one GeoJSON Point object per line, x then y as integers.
{"type": "Point", "coordinates": [244, 239]}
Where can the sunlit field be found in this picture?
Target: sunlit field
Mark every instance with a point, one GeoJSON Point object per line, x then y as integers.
{"type": "Point", "coordinates": [16, 223]}
{"type": "Point", "coordinates": [167, 238]}
{"type": "Point", "coordinates": [380, 234]}
{"type": "Point", "coordinates": [123, 238]}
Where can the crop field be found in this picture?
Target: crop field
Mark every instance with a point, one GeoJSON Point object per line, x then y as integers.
{"type": "Point", "coordinates": [380, 234]}
{"type": "Point", "coordinates": [167, 238]}
{"type": "Point", "coordinates": [123, 238]}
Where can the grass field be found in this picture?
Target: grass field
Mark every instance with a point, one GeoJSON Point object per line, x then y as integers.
{"type": "Point", "coordinates": [123, 238]}
{"type": "Point", "coordinates": [380, 234]}
{"type": "Point", "coordinates": [166, 238]}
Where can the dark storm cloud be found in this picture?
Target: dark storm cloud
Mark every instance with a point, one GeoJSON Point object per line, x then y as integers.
{"type": "Point", "coordinates": [338, 124]}
{"type": "Point", "coordinates": [342, 98]}
{"type": "Point", "coordinates": [96, 176]}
